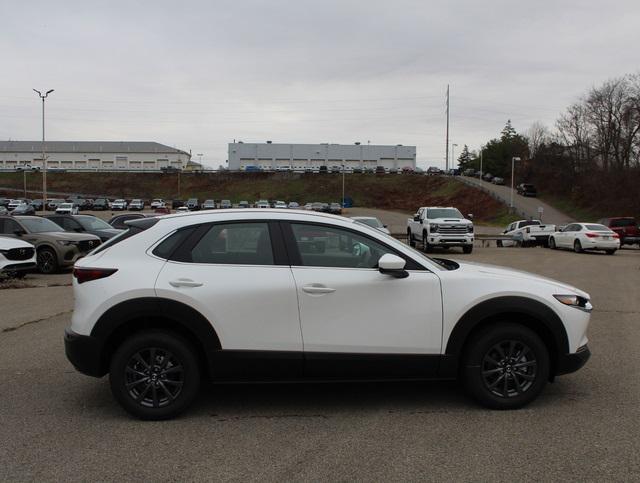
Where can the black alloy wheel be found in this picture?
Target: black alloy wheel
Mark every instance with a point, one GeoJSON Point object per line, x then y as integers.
{"type": "Point", "coordinates": [509, 368]}
{"type": "Point", "coordinates": [154, 377]}
{"type": "Point", "coordinates": [154, 374]}
{"type": "Point", "coordinates": [47, 261]}
{"type": "Point", "coordinates": [505, 366]}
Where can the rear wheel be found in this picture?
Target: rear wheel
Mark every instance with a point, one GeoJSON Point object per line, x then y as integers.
{"type": "Point", "coordinates": [552, 243]}
{"type": "Point", "coordinates": [506, 366]}
{"type": "Point", "coordinates": [499, 243]}
{"type": "Point", "coordinates": [47, 261]}
{"type": "Point", "coordinates": [610, 252]}
{"type": "Point", "coordinates": [410, 239]}
{"type": "Point", "coordinates": [154, 375]}
{"type": "Point", "coordinates": [577, 246]}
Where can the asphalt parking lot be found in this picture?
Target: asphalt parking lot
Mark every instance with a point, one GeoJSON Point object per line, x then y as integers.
{"type": "Point", "coordinates": [59, 425]}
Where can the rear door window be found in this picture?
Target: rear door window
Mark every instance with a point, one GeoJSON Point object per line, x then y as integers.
{"type": "Point", "coordinates": [234, 244]}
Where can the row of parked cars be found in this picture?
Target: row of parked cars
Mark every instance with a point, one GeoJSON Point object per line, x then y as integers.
{"type": "Point", "coordinates": [608, 234]}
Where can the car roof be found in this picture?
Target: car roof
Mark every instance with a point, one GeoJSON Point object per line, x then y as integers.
{"type": "Point", "coordinates": [261, 211]}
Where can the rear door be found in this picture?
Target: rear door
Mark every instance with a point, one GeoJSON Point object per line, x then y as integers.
{"type": "Point", "coordinates": [236, 275]}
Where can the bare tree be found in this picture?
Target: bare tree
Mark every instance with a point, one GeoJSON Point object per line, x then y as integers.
{"type": "Point", "coordinates": [536, 136]}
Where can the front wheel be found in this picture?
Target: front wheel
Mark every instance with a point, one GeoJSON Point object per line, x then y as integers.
{"type": "Point", "coordinates": [425, 244]}
{"type": "Point", "coordinates": [467, 249]}
{"type": "Point", "coordinates": [506, 366]}
{"type": "Point", "coordinates": [154, 375]}
{"type": "Point", "coordinates": [552, 243]}
{"type": "Point", "coordinates": [47, 261]}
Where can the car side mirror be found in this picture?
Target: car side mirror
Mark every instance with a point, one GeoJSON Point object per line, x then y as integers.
{"type": "Point", "coordinates": [79, 230]}
{"type": "Point", "coordinates": [393, 265]}
{"type": "Point", "coordinates": [470, 216]}
{"type": "Point", "coordinates": [385, 226]}
{"type": "Point", "coordinates": [19, 232]}
{"type": "Point", "coordinates": [416, 217]}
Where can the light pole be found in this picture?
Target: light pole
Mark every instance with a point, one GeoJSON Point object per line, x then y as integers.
{"type": "Point", "coordinates": [453, 158]}
{"type": "Point", "coordinates": [44, 159]}
{"type": "Point", "coordinates": [513, 162]}
{"type": "Point", "coordinates": [481, 149]}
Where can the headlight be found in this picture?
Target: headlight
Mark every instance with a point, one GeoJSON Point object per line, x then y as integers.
{"type": "Point", "coordinates": [575, 301]}
{"type": "Point", "coordinates": [470, 228]}
{"type": "Point", "coordinates": [433, 227]}
{"type": "Point", "coordinates": [66, 243]}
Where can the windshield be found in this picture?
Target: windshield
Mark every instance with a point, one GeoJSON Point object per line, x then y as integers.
{"type": "Point", "coordinates": [39, 225]}
{"type": "Point", "coordinates": [93, 223]}
{"type": "Point", "coordinates": [443, 213]}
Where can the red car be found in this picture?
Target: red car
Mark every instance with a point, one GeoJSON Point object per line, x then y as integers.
{"type": "Point", "coordinates": [626, 227]}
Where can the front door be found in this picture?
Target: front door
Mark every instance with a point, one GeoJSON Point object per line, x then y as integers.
{"type": "Point", "coordinates": [356, 321]}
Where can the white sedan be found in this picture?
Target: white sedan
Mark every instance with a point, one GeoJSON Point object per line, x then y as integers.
{"type": "Point", "coordinates": [373, 222]}
{"type": "Point", "coordinates": [585, 236]}
{"type": "Point", "coordinates": [67, 209]}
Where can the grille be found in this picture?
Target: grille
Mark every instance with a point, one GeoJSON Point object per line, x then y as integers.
{"type": "Point", "coordinates": [19, 254]}
{"type": "Point", "coordinates": [88, 245]}
{"type": "Point", "coordinates": [452, 229]}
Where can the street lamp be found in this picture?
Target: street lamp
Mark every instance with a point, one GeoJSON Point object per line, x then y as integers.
{"type": "Point", "coordinates": [513, 161]}
{"type": "Point", "coordinates": [342, 203]}
{"type": "Point", "coordinates": [44, 159]}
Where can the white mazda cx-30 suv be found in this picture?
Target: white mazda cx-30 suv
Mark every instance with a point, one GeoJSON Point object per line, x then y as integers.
{"type": "Point", "coordinates": [282, 295]}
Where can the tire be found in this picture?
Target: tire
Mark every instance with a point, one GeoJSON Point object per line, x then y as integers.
{"type": "Point", "coordinates": [47, 261]}
{"type": "Point", "coordinates": [552, 243]}
{"type": "Point", "coordinates": [467, 249]}
{"type": "Point", "coordinates": [506, 366]}
{"type": "Point", "coordinates": [499, 243]}
{"type": "Point", "coordinates": [610, 252]}
{"type": "Point", "coordinates": [577, 246]}
{"type": "Point", "coordinates": [172, 393]}
{"type": "Point", "coordinates": [412, 242]}
{"type": "Point", "coordinates": [426, 247]}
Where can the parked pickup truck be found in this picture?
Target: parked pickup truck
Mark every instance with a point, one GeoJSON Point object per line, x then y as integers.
{"type": "Point", "coordinates": [527, 233]}
{"type": "Point", "coordinates": [437, 226]}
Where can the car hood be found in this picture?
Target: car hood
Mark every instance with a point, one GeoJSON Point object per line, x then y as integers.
{"type": "Point", "coordinates": [445, 221]}
{"type": "Point", "coordinates": [7, 243]}
{"type": "Point", "coordinates": [510, 273]}
{"type": "Point", "coordinates": [66, 235]}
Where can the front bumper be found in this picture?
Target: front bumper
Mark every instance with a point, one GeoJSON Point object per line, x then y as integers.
{"type": "Point", "coordinates": [85, 353]}
{"type": "Point", "coordinates": [450, 240]}
{"type": "Point", "coordinates": [18, 267]}
{"type": "Point", "coordinates": [569, 363]}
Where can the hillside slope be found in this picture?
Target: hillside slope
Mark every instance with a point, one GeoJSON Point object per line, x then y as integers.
{"type": "Point", "coordinates": [391, 192]}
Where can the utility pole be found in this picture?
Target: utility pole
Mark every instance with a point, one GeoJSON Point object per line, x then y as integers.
{"type": "Point", "coordinates": [44, 158]}
{"type": "Point", "coordinates": [513, 163]}
{"type": "Point", "coordinates": [481, 148]}
{"type": "Point", "coordinates": [447, 140]}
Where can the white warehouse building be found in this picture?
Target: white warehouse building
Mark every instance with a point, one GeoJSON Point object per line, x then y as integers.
{"type": "Point", "coordinates": [92, 155]}
{"type": "Point", "coordinates": [304, 157]}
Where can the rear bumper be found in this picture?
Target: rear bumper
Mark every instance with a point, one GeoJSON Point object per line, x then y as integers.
{"type": "Point", "coordinates": [569, 363]}
{"type": "Point", "coordinates": [84, 352]}
{"type": "Point", "coordinates": [630, 240]}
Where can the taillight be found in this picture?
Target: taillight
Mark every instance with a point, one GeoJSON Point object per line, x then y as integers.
{"type": "Point", "coordinates": [88, 274]}
{"type": "Point", "coordinates": [615, 235]}
{"type": "Point", "coordinates": [592, 235]}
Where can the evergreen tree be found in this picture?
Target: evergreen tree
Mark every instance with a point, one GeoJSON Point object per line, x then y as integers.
{"type": "Point", "coordinates": [508, 132]}
{"type": "Point", "coordinates": [464, 160]}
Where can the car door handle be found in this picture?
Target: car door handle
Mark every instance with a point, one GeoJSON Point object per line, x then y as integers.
{"type": "Point", "coordinates": [316, 288]}
{"type": "Point", "coordinates": [184, 282]}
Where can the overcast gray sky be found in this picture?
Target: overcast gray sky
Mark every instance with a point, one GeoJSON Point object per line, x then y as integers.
{"type": "Point", "coordinates": [197, 75]}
